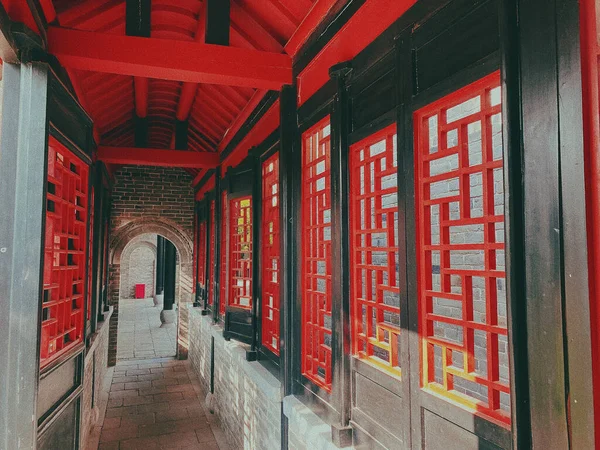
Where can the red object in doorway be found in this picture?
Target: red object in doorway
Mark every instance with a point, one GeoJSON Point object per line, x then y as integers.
{"type": "Point", "coordinates": [140, 291]}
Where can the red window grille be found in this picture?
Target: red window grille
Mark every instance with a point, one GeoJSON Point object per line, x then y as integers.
{"type": "Point", "coordinates": [223, 256]}
{"type": "Point", "coordinates": [65, 253]}
{"type": "Point", "coordinates": [270, 254]}
{"type": "Point", "coordinates": [460, 220]}
{"type": "Point", "coordinates": [240, 252]}
{"type": "Point", "coordinates": [211, 253]}
{"type": "Point", "coordinates": [316, 255]}
{"type": "Point", "coordinates": [201, 277]}
{"type": "Point", "coordinates": [374, 258]}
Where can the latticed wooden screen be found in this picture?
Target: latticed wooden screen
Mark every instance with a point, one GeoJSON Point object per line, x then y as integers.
{"type": "Point", "coordinates": [460, 208]}
{"type": "Point", "coordinates": [374, 281]}
{"type": "Point", "coordinates": [211, 253]}
{"type": "Point", "coordinates": [201, 277]}
{"type": "Point", "coordinates": [270, 253]}
{"type": "Point", "coordinates": [240, 252]}
{"type": "Point", "coordinates": [316, 254]}
{"type": "Point", "coordinates": [65, 253]}
{"type": "Point", "coordinates": [223, 256]}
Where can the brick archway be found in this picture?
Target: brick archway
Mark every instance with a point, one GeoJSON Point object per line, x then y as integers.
{"type": "Point", "coordinates": [138, 243]}
{"type": "Point", "coordinates": [184, 245]}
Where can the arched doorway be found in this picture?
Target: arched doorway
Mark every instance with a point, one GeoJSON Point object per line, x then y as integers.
{"type": "Point", "coordinates": [122, 246]}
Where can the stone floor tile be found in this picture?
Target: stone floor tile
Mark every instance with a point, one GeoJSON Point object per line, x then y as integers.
{"type": "Point", "coordinates": [142, 443]}
{"type": "Point", "coordinates": [109, 446]}
{"type": "Point", "coordinates": [112, 422]}
{"type": "Point", "coordinates": [121, 411]}
{"type": "Point", "coordinates": [118, 434]}
{"type": "Point", "coordinates": [178, 440]}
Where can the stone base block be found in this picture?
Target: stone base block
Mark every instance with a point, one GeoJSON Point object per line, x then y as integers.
{"type": "Point", "coordinates": [168, 316]}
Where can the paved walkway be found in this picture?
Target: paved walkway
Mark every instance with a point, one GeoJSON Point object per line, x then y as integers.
{"type": "Point", "coordinates": [158, 404]}
{"type": "Point", "coordinates": [140, 334]}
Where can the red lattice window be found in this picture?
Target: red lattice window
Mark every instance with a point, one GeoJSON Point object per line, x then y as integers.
{"type": "Point", "coordinates": [240, 252]}
{"type": "Point", "coordinates": [211, 253]}
{"type": "Point", "coordinates": [270, 253]}
{"type": "Point", "coordinates": [202, 253]}
{"type": "Point", "coordinates": [374, 263]}
{"type": "Point", "coordinates": [460, 220]}
{"type": "Point", "coordinates": [65, 253]}
{"type": "Point", "coordinates": [316, 255]}
{"type": "Point", "coordinates": [223, 256]}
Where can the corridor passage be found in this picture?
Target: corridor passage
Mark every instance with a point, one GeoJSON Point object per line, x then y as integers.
{"type": "Point", "coordinates": [140, 334]}
{"type": "Point", "coordinates": [158, 404]}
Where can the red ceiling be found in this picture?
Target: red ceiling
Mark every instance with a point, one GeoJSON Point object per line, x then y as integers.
{"type": "Point", "coordinates": [264, 25]}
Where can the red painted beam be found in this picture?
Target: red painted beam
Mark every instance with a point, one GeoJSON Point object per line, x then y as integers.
{"type": "Point", "coordinates": [372, 19]}
{"type": "Point", "coordinates": [241, 118]}
{"type": "Point", "coordinates": [591, 137]}
{"type": "Point", "coordinates": [263, 128]}
{"type": "Point", "coordinates": [141, 96]}
{"type": "Point", "coordinates": [158, 157]}
{"type": "Point", "coordinates": [169, 59]}
{"type": "Point", "coordinates": [317, 13]}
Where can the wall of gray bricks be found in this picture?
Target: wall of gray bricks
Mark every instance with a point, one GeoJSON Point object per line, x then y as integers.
{"type": "Point", "coordinates": [247, 397]}
{"type": "Point", "coordinates": [151, 194]}
{"type": "Point", "coordinates": [138, 265]}
{"type": "Point", "coordinates": [95, 369]}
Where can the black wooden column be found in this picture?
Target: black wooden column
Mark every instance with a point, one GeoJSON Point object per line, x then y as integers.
{"type": "Point", "coordinates": [216, 269]}
{"type": "Point", "coordinates": [169, 268]}
{"type": "Point", "coordinates": [340, 127]}
{"type": "Point", "coordinates": [289, 162]}
{"type": "Point", "coordinates": [160, 265]}
{"type": "Point", "coordinates": [97, 245]}
{"type": "Point", "coordinates": [22, 201]}
{"type": "Point", "coordinates": [547, 278]}
{"type": "Point", "coordinates": [107, 205]}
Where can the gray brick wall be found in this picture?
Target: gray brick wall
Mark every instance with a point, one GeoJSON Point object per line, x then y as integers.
{"type": "Point", "coordinates": [145, 192]}
{"type": "Point", "coordinates": [247, 398]}
{"type": "Point", "coordinates": [95, 369]}
{"type": "Point", "coordinates": [138, 265]}
{"type": "Point", "coordinates": [151, 195]}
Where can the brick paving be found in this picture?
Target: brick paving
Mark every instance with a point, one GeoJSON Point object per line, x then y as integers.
{"type": "Point", "coordinates": [158, 404]}
{"type": "Point", "coordinates": [140, 333]}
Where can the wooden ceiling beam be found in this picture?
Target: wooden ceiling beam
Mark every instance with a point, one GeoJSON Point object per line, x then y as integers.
{"type": "Point", "coordinates": [137, 23]}
{"type": "Point", "coordinates": [218, 22]}
{"type": "Point", "coordinates": [169, 59]}
{"type": "Point", "coordinates": [157, 157]}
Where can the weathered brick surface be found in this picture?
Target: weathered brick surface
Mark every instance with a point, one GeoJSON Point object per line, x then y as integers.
{"type": "Point", "coordinates": [151, 200]}
{"type": "Point", "coordinates": [144, 192]}
{"type": "Point", "coordinates": [138, 265]}
{"type": "Point", "coordinates": [247, 398]}
{"type": "Point", "coordinates": [95, 371]}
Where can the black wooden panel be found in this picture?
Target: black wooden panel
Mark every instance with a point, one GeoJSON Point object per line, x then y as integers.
{"type": "Point", "coordinates": [440, 434]}
{"type": "Point", "coordinates": [376, 402]}
{"type": "Point", "coordinates": [238, 324]}
{"type": "Point", "coordinates": [455, 46]}
{"type": "Point", "coordinates": [363, 440]}
{"type": "Point", "coordinates": [63, 433]}
{"type": "Point", "coordinates": [374, 93]}
{"type": "Point", "coordinates": [57, 385]}
{"type": "Point", "coordinates": [317, 106]}
{"type": "Point", "coordinates": [73, 127]}
{"type": "Point", "coordinates": [239, 182]}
